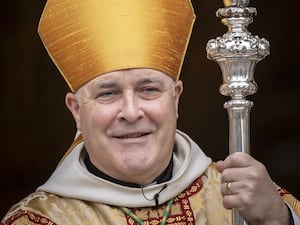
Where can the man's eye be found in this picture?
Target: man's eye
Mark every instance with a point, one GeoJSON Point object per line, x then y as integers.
{"type": "Point", "coordinates": [106, 95]}
{"type": "Point", "coordinates": [149, 90]}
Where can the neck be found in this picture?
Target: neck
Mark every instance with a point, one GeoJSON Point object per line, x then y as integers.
{"type": "Point", "coordinates": [163, 177]}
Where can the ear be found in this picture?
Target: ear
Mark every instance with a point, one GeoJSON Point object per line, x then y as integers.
{"type": "Point", "coordinates": [178, 92]}
{"type": "Point", "coordinates": [73, 105]}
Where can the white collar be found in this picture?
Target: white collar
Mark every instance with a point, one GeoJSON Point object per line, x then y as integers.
{"type": "Point", "coordinates": [72, 179]}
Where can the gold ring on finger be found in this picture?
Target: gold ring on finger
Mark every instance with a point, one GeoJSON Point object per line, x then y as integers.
{"type": "Point", "coordinates": [228, 185]}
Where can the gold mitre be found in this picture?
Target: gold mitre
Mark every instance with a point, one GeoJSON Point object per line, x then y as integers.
{"type": "Point", "coordinates": [87, 38]}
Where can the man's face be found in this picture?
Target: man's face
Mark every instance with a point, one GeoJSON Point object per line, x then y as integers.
{"type": "Point", "coordinates": [128, 122]}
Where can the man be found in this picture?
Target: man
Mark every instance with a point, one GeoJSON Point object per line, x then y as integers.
{"type": "Point", "coordinates": [129, 164]}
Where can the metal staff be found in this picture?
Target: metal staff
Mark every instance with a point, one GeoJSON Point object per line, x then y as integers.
{"type": "Point", "coordinates": [237, 52]}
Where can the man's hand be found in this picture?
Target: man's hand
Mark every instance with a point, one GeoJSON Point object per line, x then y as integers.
{"type": "Point", "coordinates": [247, 186]}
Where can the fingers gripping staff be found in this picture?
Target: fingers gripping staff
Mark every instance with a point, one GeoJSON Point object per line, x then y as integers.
{"type": "Point", "coordinates": [247, 187]}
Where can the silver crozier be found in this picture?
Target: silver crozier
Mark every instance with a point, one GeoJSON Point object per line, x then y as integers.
{"type": "Point", "coordinates": [237, 52]}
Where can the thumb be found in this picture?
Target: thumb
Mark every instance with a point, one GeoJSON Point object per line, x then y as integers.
{"type": "Point", "coordinates": [220, 166]}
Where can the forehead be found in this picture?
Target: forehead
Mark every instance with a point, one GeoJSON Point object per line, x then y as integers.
{"type": "Point", "coordinates": [130, 76]}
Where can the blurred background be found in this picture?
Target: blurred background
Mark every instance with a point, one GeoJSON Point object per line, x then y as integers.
{"type": "Point", "coordinates": [36, 127]}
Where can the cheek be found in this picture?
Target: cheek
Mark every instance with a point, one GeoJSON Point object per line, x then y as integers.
{"type": "Point", "coordinates": [167, 111]}
{"type": "Point", "coordinates": [96, 117]}
{"type": "Point", "coordinates": [164, 116]}
{"type": "Point", "coordinates": [103, 119]}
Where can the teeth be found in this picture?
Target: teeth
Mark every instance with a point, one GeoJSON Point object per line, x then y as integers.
{"type": "Point", "coordinates": [136, 135]}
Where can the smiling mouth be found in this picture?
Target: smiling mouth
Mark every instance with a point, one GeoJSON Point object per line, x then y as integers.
{"type": "Point", "coordinates": [133, 135]}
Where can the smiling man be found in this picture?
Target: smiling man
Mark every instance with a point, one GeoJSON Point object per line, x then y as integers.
{"type": "Point", "coordinates": [128, 121]}
{"type": "Point", "coordinates": [129, 164]}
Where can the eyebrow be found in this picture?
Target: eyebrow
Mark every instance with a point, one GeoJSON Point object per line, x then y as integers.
{"type": "Point", "coordinates": [148, 80]}
{"type": "Point", "coordinates": [110, 84]}
{"type": "Point", "coordinates": [106, 84]}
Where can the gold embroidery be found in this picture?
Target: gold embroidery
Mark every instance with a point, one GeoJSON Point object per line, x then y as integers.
{"type": "Point", "coordinates": [28, 218]}
{"type": "Point", "coordinates": [292, 202]}
{"type": "Point", "coordinates": [181, 211]}
{"type": "Point", "coordinates": [289, 199]}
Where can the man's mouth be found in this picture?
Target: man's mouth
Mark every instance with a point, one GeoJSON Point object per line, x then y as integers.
{"type": "Point", "coordinates": [133, 135]}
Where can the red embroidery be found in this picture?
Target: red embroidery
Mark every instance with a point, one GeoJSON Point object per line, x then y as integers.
{"type": "Point", "coordinates": [181, 211]}
{"type": "Point", "coordinates": [282, 191]}
{"type": "Point", "coordinates": [30, 216]}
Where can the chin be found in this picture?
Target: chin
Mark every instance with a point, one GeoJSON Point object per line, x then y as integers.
{"type": "Point", "coordinates": [138, 167]}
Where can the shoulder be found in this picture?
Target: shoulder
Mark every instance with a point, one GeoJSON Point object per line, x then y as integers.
{"type": "Point", "coordinates": [290, 200]}
{"type": "Point", "coordinates": [45, 208]}
{"type": "Point", "coordinates": [29, 211]}
{"type": "Point", "coordinates": [26, 217]}
{"type": "Point", "coordinates": [211, 175]}
{"type": "Point", "coordinates": [207, 184]}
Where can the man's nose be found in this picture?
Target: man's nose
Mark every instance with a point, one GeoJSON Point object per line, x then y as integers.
{"type": "Point", "coordinates": [130, 109]}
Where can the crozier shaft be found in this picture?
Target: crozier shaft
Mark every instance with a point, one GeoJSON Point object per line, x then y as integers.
{"type": "Point", "coordinates": [237, 52]}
